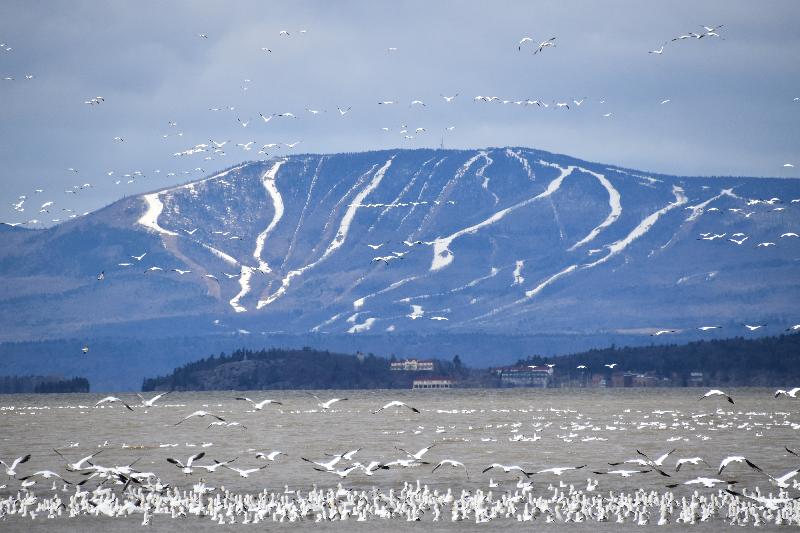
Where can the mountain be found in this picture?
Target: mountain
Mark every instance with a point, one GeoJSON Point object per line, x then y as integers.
{"type": "Point", "coordinates": [429, 243]}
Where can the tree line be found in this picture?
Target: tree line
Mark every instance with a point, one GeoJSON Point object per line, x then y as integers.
{"type": "Point", "coordinates": [42, 384]}
{"type": "Point", "coordinates": [764, 361]}
{"type": "Point", "coordinates": [279, 368]}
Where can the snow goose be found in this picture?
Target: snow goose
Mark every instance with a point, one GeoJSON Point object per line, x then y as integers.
{"type": "Point", "coordinates": [258, 406]}
{"type": "Point", "coordinates": [396, 403]}
{"type": "Point", "coordinates": [113, 399]}
{"type": "Point", "coordinates": [716, 392]}
{"type": "Point", "coordinates": [11, 470]}
{"type": "Point", "coordinates": [200, 414]}
{"type": "Point", "coordinates": [186, 468]}
{"type": "Point", "coordinates": [152, 401]}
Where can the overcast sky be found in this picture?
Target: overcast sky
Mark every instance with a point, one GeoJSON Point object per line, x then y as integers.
{"type": "Point", "coordinates": [731, 109]}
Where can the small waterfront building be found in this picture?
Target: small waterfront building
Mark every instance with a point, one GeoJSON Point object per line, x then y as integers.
{"type": "Point", "coordinates": [524, 376]}
{"type": "Point", "coordinates": [413, 365]}
{"type": "Point", "coordinates": [432, 383]}
{"type": "Point", "coordinates": [695, 379]}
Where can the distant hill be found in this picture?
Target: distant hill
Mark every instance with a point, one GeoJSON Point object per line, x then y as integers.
{"type": "Point", "coordinates": [42, 384]}
{"type": "Point", "coordinates": [377, 247]}
{"type": "Point", "coordinates": [289, 369]}
{"type": "Point", "coordinates": [768, 361]}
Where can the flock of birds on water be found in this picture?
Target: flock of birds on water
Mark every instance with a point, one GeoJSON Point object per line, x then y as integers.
{"type": "Point", "coordinates": [82, 484]}
{"type": "Point", "coordinates": [83, 487]}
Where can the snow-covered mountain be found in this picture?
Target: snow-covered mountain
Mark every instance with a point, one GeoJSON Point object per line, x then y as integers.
{"type": "Point", "coordinates": [500, 240]}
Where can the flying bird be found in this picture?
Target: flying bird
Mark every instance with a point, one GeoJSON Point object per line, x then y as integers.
{"type": "Point", "coordinates": [199, 414]}
{"type": "Point", "coordinates": [187, 467]}
{"type": "Point", "coordinates": [545, 44]}
{"type": "Point", "coordinates": [716, 392]}
{"type": "Point", "coordinates": [113, 399]}
{"type": "Point", "coordinates": [258, 406]}
{"type": "Point", "coordinates": [396, 403]}
{"type": "Point", "coordinates": [11, 470]}
{"type": "Point", "coordinates": [152, 401]}
{"type": "Point", "coordinates": [328, 403]}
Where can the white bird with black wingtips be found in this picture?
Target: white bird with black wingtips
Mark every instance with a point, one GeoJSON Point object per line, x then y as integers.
{"type": "Point", "coordinates": [11, 470]}
{"type": "Point", "coordinates": [396, 403]}
{"type": "Point", "coordinates": [716, 392]}
{"type": "Point", "coordinates": [113, 399]}
{"type": "Point", "coordinates": [258, 406]}
{"type": "Point", "coordinates": [186, 468]}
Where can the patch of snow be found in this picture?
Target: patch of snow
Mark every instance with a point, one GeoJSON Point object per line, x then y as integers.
{"type": "Point", "coordinates": [358, 183]}
{"type": "Point", "coordinates": [365, 326]}
{"type": "Point", "coordinates": [446, 189]}
{"type": "Point", "coordinates": [518, 278]}
{"type": "Point", "coordinates": [220, 254]}
{"type": "Point", "coordinates": [303, 212]}
{"type": "Point", "coordinates": [416, 312]}
{"type": "Point", "coordinates": [643, 227]}
{"type": "Point", "coordinates": [268, 180]}
{"type": "Point", "coordinates": [360, 302]}
{"type": "Point", "coordinates": [492, 273]}
{"type": "Point", "coordinates": [397, 200]}
{"type": "Point", "coordinates": [155, 207]}
{"type": "Point", "coordinates": [443, 256]}
{"type": "Point", "coordinates": [421, 192]}
{"type": "Point", "coordinates": [331, 320]}
{"type": "Point", "coordinates": [150, 217]}
{"type": "Point", "coordinates": [485, 183]}
{"type": "Point", "coordinates": [523, 161]}
{"type": "Point", "coordinates": [244, 288]}
{"type": "Point", "coordinates": [536, 290]}
{"type": "Point", "coordinates": [338, 240]}
{"type": "Point", "coordinates": [708, 276]}
{"type": "Point", "coordinates": [613, 249]}
{"type": "Point", "coordinates": [699, 209]}
{"type": "Point", "coordinates": [614, 203]}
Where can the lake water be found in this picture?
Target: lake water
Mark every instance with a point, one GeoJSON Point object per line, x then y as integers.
{"type": "Point", "coordinates": [533, 428]}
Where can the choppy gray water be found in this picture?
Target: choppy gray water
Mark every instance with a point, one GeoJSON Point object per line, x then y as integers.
{"type": "Point", "coordinates": [534, 428]}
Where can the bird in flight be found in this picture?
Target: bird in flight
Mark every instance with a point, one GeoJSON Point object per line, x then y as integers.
{"type": "Point", "coordinates": [187, 467]}
{"type": "Point", "coordinates": [152, 401]}
{"type": "Point", "coordinates": [11, 470]}
{"type": "Point", "coordinates": [200, 414]}
{"type": "Point", "coordinates": [258, 406]}
{"type": "Point", "coordinates": [396, 403]}
{"type": "Point", "coordinates": [113, 399]}
{"type": "Point", "coordinates": [545, 44]}
{"type": "Point", "coordinates": [328, 403]}
{"type": "Point", "coordinates": [716, 392]}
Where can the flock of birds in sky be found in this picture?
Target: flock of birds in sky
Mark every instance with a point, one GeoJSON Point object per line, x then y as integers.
{"type": "Point", "coordinates": [214, 149]}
